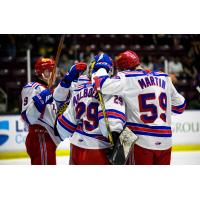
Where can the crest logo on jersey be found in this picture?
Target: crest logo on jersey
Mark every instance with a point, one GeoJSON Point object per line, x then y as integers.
{"type": "Point", "coordinates": [158, 143]}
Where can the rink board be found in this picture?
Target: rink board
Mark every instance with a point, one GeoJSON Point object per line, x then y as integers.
{"type": "Point", "coordinates": [185, 127]}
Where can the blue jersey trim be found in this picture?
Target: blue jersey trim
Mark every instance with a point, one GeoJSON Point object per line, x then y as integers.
{"type": "Point", "coordinates": [67, 121]}
{"type": "Point", "coordinates": [68, 130]}
{"type": "Point", "coordinates": [152, 134]}
{"type": "Point", "coordinates": [96, 136]}
{"type": "Point", "coordinates": [181, 106]}
{"type": "Point", "coordinates": [114, 117]}
{"type": "Point", "coordinates": [29, 85]}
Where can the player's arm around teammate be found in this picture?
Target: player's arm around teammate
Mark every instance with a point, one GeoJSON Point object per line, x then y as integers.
{"type": "Point", "coordinates": [81, 123]}
{"type": "Point", "coordinates": [150, 98]}
{"type": "Point", "coordinates": [62, 91]}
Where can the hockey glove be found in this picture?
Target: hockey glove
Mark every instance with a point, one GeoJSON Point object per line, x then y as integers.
{"type": "Point", "coordinates": [43, 98]}
{"type": "Point", "coordinates": [73, 74]}
{"type": "Point", "coordinates": [109, 151]}
{"type": "Point", "coordinates": [103, 61]}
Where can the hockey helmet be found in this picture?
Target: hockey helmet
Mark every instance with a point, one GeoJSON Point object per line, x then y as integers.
{"type": "Point", "coordinates": [43, 64]}
{"type": "Point", "coordinates": [101, 59]}
{"type": "Point", "coordinates": [127, 60]}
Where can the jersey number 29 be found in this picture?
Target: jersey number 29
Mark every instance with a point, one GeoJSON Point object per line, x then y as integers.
{"type": "Point", "coordinates": [91, 113]}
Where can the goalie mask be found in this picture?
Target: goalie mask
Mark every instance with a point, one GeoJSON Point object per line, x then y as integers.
{"type": "Point", "coordinates": [42, 64]}
{"type": "Point", "coordinates": [127, 60]}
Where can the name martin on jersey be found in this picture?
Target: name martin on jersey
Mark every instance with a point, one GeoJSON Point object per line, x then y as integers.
{"type": "Point", "coordinates": [151, 81]}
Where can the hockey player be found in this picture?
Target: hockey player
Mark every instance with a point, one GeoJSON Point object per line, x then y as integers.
{"type": "Point", "coordinates": [39, 112]}
{"type": "Point", "coordinates": [150, 99]}
{"type": "Point", "coordinates": [62, 92]}
{"type": "Point", "coordinates": [80, 122]}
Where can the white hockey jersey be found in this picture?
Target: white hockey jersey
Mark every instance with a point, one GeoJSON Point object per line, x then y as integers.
{"type": "Point", "coordinates": [80, 121]}
{"type": "Point", "coordinates": [62, 94]}
{"type": "Point", "coordinates": [31, 115]}
{"type": "Point", "coordinates": [150, 99]}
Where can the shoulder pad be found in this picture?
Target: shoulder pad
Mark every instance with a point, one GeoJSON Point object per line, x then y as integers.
{"type": "Point", "coordinates": [135, 73]}
{"type": "Point", "coordinates": [33, 85]}
{"type": "Point", "coordinates": [159, 73]}
{"type": "Point", "coordinates": [83, 79]}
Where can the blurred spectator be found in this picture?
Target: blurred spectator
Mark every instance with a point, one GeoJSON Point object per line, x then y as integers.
{"type": "Point", "coordinates": [158, 63]}
{"type": "Point", "coordinates": [64, 65]}
{"type": "Point", "coordinates": [150, 63]}
{"type": "Point", "coordinates": [175, 66]}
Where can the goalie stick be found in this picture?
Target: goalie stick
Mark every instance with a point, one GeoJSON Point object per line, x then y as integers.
{"type": "Point", "coordinates": [120, 151]}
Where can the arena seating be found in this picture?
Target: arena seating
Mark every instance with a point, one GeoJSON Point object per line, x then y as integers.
{"type": "Point", "coordinates": [151, 48]}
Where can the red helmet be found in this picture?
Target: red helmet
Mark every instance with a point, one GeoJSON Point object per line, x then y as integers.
{"type": "Point", "coordinates": [127, 60]}
{"type": "Point", "coordinates": [44, 63]}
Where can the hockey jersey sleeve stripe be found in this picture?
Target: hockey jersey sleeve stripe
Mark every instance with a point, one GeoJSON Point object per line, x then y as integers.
{"type": "Point", "coordinates": [177, 112]}
{"type": "Point", "coordinates": [113, 114]}
{"type": "Point", "coordinates": [63, 126]}
{"type": "Point", "coordinates": [114, 111]}
{"type": "Point", "coordinates": [67, 121]}
{"type": "Point", "coordinates": [181, 106]}
{"type": "Point", "coordinates": [24, 117]}
{"type": "Point", "coordinates": [96, 136]}
{"type": "Point", "coordinates": [66, 124]}
{"type": "Point", "coordinates": [179, 109]}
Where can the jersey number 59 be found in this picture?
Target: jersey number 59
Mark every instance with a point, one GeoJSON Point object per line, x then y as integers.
{"type": "Point", "coordinates": [144, 106]}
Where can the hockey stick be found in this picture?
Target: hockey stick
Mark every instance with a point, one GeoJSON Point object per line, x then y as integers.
{"type": "Point", "coordinates": [119, 153]}
{"type": "Point", "coordinates": [56, 61]}
{"type": "Point", "coordinates": [101, 101]}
